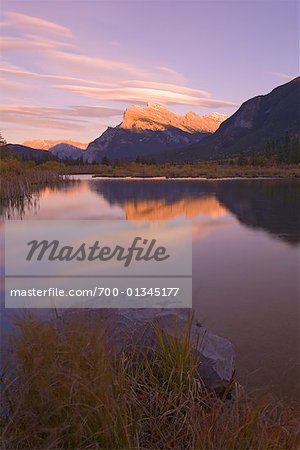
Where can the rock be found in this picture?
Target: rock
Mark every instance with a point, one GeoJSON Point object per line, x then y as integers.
{"type": "Point", "coordinates": [125, 327]}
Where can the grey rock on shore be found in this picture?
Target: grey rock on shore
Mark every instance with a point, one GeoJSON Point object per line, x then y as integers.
{"type": "Point", "coordinates": [125, 327]}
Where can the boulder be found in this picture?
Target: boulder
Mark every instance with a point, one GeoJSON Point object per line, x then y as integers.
{"type": "Point", "coordinates": [126, 327]}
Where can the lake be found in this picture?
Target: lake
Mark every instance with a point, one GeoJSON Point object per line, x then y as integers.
{"type": "Point", "coordinates": [246, 242]}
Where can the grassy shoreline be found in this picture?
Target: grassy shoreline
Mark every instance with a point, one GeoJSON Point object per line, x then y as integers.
{"type": "Point", "coordinates": [203, 170]}
{"type": "Point", "coordinates": [32, 173]}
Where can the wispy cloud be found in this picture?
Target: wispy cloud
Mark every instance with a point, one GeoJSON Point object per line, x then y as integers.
{"type": "Point", "coordinates": [28, 43]}
{"type": "Point", "coordinates": [178, 77]}
{"type": "Point", "coordinates": [39, 121]}
{"type": "Point", "coordinates": [104, 68]}
{"type": "Point", "coordinates": [10, 85]}
{"type": "Point", "coordinates": [112, 80]}
{"type": "Point", "coordinates": [283, 76]}
{"type": "Point", "coordinates": [79, 118]}
{"type": "Point", "coordinates": [166, 87]}
{"type": "Point", "coordinates": [7, 112]}
{"type": "Point", "coordinates": [23, 22]}
{"type": "Point", "coordinates": [131, 90]}
{"type": "Point", "coordinates": [55, 67]}
{"type": "Point", "coordinates": [17, 71]}
{"type": "Point", "coordinates": [139, 94]}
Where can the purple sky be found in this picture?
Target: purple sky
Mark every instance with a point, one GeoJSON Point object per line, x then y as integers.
{"type": "Point", "coordinates": [69, 68]}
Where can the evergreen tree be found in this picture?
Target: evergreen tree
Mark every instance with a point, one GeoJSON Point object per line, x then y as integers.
{"type": "Point", "coordinates": [295, 149]}
{"type": "Point", "coordinates": [105, 161]}
{"type": "Point", "coordinates": [287, 143]}
{"type": "Point", "coordinates": [242, 160]}
{"type": "Point", "coordinates": [2, 140]}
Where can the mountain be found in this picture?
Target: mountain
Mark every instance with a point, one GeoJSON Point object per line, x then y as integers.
{"type": "Point", "coordinates": [25, 152]}
{"type": "Point", "coordinates": [157, 118]}
{"type": "Point", "coordinates": [66, 151]}
{"type": "Point", "coordinates": [58, 152]}
{"type": "Point", "coordinates": [145, 131]}
{"type": "Point", "coordinates": [259, 120]}
{"type": "Point", "coordinates": [44, 144]}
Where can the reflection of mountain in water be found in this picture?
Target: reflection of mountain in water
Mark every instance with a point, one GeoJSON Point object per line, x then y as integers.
{"type": "Point", "coordinates": [267, 204]}
{"type": "Point", "coordinates": [162, 210]}
{"type": "Point", "coordinates": [273, 206]}
{"type": "Point", "coordinates": [160, 199]}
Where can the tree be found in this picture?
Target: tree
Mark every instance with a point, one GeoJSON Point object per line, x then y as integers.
{"type": "Point", "coordinates": [2, 140]}
{"type": "Point", "coordinates": [105, 161]}
{"type": "Point", "coordinates": [287, 142]}
{"type": "Point", "coordinates": [242, 160]}
{"type": "Point", "coordinates": [295, 149]}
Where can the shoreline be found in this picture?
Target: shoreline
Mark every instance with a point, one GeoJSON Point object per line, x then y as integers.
{"type": "Point", "coordinates": [208, 171]}
{"type": "Point", "coordinates": [166, 178]}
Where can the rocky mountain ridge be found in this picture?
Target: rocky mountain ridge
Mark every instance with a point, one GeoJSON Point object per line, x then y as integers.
{"type": "Point", "coordinates": [258, 121]}
{"type": "Point", "coordinates": [148, 130]}
{"type": "Point", "coordinates": [156, 117]}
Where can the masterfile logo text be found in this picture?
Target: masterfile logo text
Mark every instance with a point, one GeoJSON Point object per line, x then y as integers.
{"type": "Point", "coordinates": [89, 263]}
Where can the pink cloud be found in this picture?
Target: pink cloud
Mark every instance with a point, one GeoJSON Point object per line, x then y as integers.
{"type": "Point", "coordinates": [24, 22]}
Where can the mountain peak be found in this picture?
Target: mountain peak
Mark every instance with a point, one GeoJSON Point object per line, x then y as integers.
{"type": "Point", "coordinates": [156, 106]}
{"type": "Point", "coordinates": [46, 144]}
{"type": "Point", "coordinates": [156, 117]}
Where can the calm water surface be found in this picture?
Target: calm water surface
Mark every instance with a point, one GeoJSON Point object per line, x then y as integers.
{"type": "Point", "coordinates": [246, 242]}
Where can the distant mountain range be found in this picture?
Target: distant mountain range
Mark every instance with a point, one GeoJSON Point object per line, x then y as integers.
{"type": "Point", "coordinates": [45, 144]}
{"type": "Point", "coordinates": [149, 130]}
{"type": "Point", "coordinates": [153, 131]}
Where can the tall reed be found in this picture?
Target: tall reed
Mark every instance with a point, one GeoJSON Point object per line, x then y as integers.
{"type": "Point", "coordinates": [21, 183]}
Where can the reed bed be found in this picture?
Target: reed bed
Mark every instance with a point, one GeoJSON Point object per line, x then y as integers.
{"type": "Point", "coordinates": [21, 184]}
{"type": "Point", "coordinates": [67, 390]}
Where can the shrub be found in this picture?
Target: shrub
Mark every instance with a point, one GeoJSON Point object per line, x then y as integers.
{"type": "Point", "coordinates": [52, 165]}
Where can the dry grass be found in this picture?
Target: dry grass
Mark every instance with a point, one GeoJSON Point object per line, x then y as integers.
{"type": "Point", "coordinates": [68, 391]}
{"type": "Point", "coordinates": [19, 178]}
{"type": "Point", "coordinates": [205, 169]}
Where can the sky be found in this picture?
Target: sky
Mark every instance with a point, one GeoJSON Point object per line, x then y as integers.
{"type": "Point", "coordinates": [69, 68]}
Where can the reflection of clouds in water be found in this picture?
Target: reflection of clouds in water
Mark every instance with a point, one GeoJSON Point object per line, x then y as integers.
{"type": "Point", "coordinates": [77, 202]}
{"type": "Point", "coordinates": [203, 228]}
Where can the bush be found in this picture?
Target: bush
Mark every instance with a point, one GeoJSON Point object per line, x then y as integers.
{"type": "Point", "coordinates": [53, 165]}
